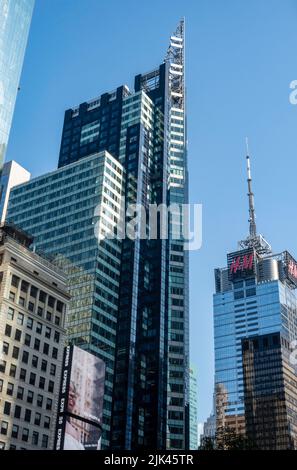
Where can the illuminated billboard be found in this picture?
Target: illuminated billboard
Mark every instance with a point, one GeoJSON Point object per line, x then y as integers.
{"type": "Point", "coordinates": [241, 264]}
{"type": "Point", "coordinates": [80, 401]}
{"type": "Point", "coordinates": [290, 265]}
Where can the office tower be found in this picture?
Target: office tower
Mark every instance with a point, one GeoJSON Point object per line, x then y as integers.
{"type": "Point", "coordinates": [193, 409]}
{"type": "Point", "coordinates": [145, 131]}
{"type": "Point", "coordinates": [33, 302]}
{"type": "Point", "coordinates": [11, 175]}
{"type": "Point", "coordinates": [255, 296]}
{"type": "Point", "coordinates": [15, 19]}
{"type": "Point", "coordinates": [69, 210]}
{"type": "Point", "coordinates": [270, 392]}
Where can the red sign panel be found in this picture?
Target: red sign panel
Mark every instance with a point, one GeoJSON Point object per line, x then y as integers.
{"type": "Point", "coordinates": [241, 264]}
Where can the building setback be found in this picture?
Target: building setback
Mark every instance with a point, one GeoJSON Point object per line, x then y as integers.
{"type": "Point", "coordinates": [33, 302]}
{"type": "Point", "coordinates": [255, 298]}
{"type": "Point", "coordinates": [146, 324]}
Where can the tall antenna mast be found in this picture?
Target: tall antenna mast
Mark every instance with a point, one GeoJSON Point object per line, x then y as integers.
{"type": "Point", "coordinates": [252, 217]}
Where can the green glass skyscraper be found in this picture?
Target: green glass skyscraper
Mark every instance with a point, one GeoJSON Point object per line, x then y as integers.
{"type": "Point", "coordinates": [15, 19]}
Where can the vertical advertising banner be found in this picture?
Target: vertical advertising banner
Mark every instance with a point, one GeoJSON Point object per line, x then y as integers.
{"type": "Point", "coordinates": [80, 401]}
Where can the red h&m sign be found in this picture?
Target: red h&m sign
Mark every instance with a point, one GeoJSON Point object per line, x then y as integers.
{"type": "Point", "coordinates": [242, 263]}
{"type": "Point", "coordinates": [292, 268]}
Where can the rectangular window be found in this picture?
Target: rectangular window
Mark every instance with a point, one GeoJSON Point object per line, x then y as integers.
{"type": "Point", "coordinates": [1, 385]}
{"type": "Point", "coordinates": [10, 313]}
{"type": "Point", "coordinates": [56, 337]}
{"type": "Point", "coordinates": [42, 296]}
{"type": "Point", "coordinates": [53, 369]}
{"type": "Point", "coordinates": [35, 438]}
{"type": "Point", "coordinates": [15, 431]}
{"type": "Point", "coordinates": [34, 361]}
{"type": "Point", "coordinates": [15, 281]}
{"type": "Point", "coordinates": [25, 434]}
{"type": "Point", "coordinates": [27, 415]}
{"type": "Point", "coordinates": [5, 348]}
{"type": "Point", "coordinates": [27, 339]}
{"type": "Point", "coordinates": [11, 296]}
{"type": "Point", "coordinates": [48, 332]}
{"type": "Point", "coordinates": [41, 383]}
{"type": "Point", "coordinates": [31, 306]}
{"type": "Point", "coordinates": [60, 306]}
{"type": "Point", "coordinates": [9, 389]}
{"type": "Point", "coordinates": [15, 352]}
{"type": "Point", "coordinates": [23, 374]}
{"type": "Point", "coordinates": [39, 328]}
{"type": "Point", "coordinates": [2, 366]}
{"type": "Point", "coordinates": [20, 393]}
{"type": "Point", "coordinates": [36, 344]}
{"type": "Point", "coordinates": [18, 335]}
{"type": "Point", "coordinates": [37, 419]}
{"type": "Point", "coordinates": [39, 311]}
{"type": "Point", "coordinates": [32, 378]}
{"type": "Point", "coordinates": [55, 353]}
{"type": "Point", "coordinates": [51, 301]}
{"type": "Point", "coordinates": [33, 291]}
{"type": "Point", "coordinates": [8, 330]}
{"type": "Point", "coordinates": [49, 403]}
{"type": "Point", "coordinates": [25, 357]}
{"type": "Point", "coordinates": [49, 316]}
{"type": "Point", "coordinates": [51, 386]}
{"type": "Point", "coordinates": [43, 365]}
{"type": "Point", "coordinates": [44, 442]}
{"type": "Point", "coordinates": [30, 396]}
{"type": "Point", "coordinates": [20, 319]}
{"type": "Point", "coordinates": [47, 421]}
{"type": "Point", "coordinates": [30, 323]}
{"type": "Point", "coordinates": [22, 301]}
{"type": "Point", "coordinates": [24, 286]}
{"type": "Point", "coordinates": [4, 427]}
{"type": "Point", "coordinates": [39, 400]}
{"type": "Point", "coordinates": [12, 371]}
{"type": "Point", "coordinates": [57, 320]}
{"type": "Point", "coordinates": [17, 411]}
{"type": "Point", "coordinates": [45, 348]}
{"type": "Point", "coordinates": [7, 408]}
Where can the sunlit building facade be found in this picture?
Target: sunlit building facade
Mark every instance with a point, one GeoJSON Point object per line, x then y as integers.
{"type": "Point", "coordinates": [33, 305]}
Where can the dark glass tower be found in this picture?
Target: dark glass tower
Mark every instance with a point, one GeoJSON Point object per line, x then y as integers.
{"type": "Point", "coordinates": [145, 130]}
{"type": "Point", "coordinates": [270, 392]}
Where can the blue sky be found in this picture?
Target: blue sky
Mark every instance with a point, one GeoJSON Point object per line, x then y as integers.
{"type": "Point", "coordinates": [241, 58]}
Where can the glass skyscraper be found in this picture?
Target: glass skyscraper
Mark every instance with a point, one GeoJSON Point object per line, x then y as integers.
{"type": "Point", "coordinates": [15, 19]}
{"type": "Point", "coordinates": [68, 210]}
{"type": "Point", "coordinates": [145, 132]}
{"type": "Point", "coordinates": [255, 296]}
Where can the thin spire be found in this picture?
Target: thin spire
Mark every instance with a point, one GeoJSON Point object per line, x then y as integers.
{"type": "Point", "coordinates": [252, 217]}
